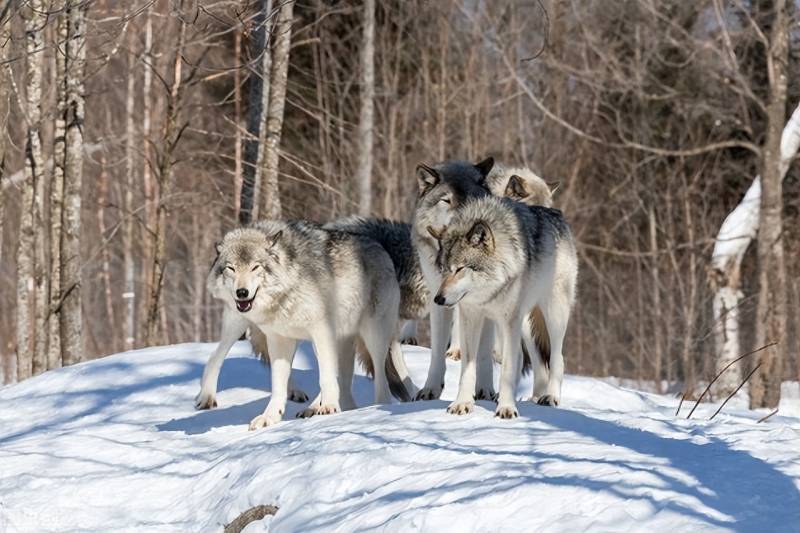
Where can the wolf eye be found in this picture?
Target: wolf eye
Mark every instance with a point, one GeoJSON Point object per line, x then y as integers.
{"type": "Point", "coordinates": [445, 200]}
{"type": "Point", "coordinates": [229, 267]}
{"type": "Point", "coordinates": [255, 268]}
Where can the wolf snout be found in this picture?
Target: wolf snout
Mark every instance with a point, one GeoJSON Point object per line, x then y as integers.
{"type": "Point", "coordinates": [439, 299]}
{"type": "Point", "coordinates": [242, 293]}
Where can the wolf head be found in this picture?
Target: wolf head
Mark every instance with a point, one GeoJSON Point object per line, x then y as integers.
{"type": "Point", "coordinates": [444, 187]}
{"type": "Point", "coordinates": [521, 184]}
{"type": "Point", "coordinates": [247, 267]}
{"type": "Point", "coordinates": [465, 261]}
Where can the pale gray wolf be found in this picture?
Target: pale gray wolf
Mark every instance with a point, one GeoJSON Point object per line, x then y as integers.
{"type": "Point", "coordinates": [295, 281]}
{"type": "Point", "coordinates": [523, 185]}
{"type": "Point", "coordinates": [498, 259]}
{"type": "Point", "coordinates": [520, 184]}
{"type": "Point", "coordinates": [442, 189]}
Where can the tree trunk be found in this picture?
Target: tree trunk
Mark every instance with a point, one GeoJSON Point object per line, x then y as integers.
{"type": "Point", "coordinates": [57, 194]}
{"type": "Point", "coordinates": [165, 183]}
{"type": "Point", "coordinates": [271, 199]}
{"type": "Point", "coordinates": [71, 321]}
{"type": "Point", "coordinates": [258, 105]}
{"type": "Point", "coordinates": [237, 106]}
{"type": "Point", "coordinates": [366, 117]}
{"type": "Point", "coordinates": [129, 296]}
{"type": "Point", "coordinates": [34, 172]}
{"type": "Point", "coordinates": [148, 65]}
{"type": "Point", "coordinates": [734, 237]}
{"type": "Point", "coordinates": [771, 321]}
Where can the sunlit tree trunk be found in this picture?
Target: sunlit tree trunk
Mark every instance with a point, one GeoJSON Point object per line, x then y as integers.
{"type": "Point", "coordinates": [366, 117]}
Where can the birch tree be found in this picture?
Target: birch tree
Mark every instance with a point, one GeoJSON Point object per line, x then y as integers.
{"type": "Point", "coordinates": [71, 314]}
{"type": "Point", "coordinates": [57, 190]}
{"type": "Point", "coordinates": [366, 116]}
{"type": "Point", "coordinates": [129, 296]}
{"type": "Point", "coordinates": [271, 199]}
{"type": "Point", "coordinates": [771, 319]}
{"type": "Point", "coordinates": [34, 172]}
{"type": "Point", "coordinates": [258, 108]}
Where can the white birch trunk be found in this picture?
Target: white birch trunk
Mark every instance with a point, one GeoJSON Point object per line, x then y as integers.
{"type": "Point", "coordinates": [129, 296]}
{"type": "Point", "coordinates": [34, 172]}
{"type": "Point", "coordinates": [735, 235]}
{"type": "Point", "coordinates": [71, 316]}
{"type": "Point", "coordinates": [366, 118]}
{"type": "Point", "coordinates": [271, 199]}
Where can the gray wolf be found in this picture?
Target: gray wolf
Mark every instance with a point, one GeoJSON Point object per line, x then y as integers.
{"type": "Point", "coordinates": [296, 280]}
{"type": "Point", "coordinates": [442, 189]}
{"type": "Point", "coordinates": [498, 259]}
{"type": "Point", "coordinates": [520, 184]}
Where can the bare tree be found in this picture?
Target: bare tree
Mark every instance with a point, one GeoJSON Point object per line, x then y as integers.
{"type": "Point", "coordinates": [72, 316]}
{"type": "Point", "coordinates": [129, 296]}
{"type": "Point", "coordinates": [258, 109]}
{"type": "Point", "coordinates": [771, 317]}
{"type": "Point", "coordinates": [57, 189]}
{"type": "Point", "coordinates": [34, 173]}
{"type": "Point", "coordinates": [366, 116]}
{"type": "Point", "coordinates": [271, 199]}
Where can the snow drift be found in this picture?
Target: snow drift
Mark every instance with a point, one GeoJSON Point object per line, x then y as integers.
{"type": "Point", "coordinates": [115, 444]}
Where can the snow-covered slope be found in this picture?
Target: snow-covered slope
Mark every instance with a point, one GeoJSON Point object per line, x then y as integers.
{"type": "Point", "coordinates": [116, 444]}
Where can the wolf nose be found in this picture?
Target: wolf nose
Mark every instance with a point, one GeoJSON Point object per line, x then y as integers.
{"type": "Point", "coordinates": [438, 299]}
{"type": "Point", "coordinates": [241, 293]}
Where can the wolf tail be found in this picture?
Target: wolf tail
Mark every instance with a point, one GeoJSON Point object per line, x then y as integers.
{"type": "Point", "coordinates": [541, 337]}
{"type": "Point", "coordinates": [259, 342]}
{"type": "Point", "coordinates": [400, 384]}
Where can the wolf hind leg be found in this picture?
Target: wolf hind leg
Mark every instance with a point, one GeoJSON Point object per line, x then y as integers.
{"type": "Point", "coordinates": [377, 339]}
{"type": "Point", "coordinates": [556, 317]}
{"type": "Point", "coordinates": [541, 373]}
{"type": "Point", "coordinates": [484, 389]}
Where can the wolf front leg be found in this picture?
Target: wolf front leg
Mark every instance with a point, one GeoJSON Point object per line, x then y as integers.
{"type": "Point", "coordinates": [233, 327]}
{"type": "Point", "coordinates": [510, 333]}
{"type": "Point", "coordinates": [484, 390]}
{"type": "Point", "coordinates": [441, 320]}
{"type": "Point", "coordinates": [281, 351]}
{"type": "Point", "coordinates": [325, 346]}
{"type": "Point", "coordinates": [470, 326]}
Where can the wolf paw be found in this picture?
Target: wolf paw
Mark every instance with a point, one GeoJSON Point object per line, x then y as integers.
{"type": "Point", "coordinates": [327, 409]}
{"type": "Point", "coordinates": [460, 408]}
{"type": "Point", "coordinates": [297, 396]}
{"type": "Point", "coordinates": [453, 354]}
{"type": "Point", "coordinates": [506, 412]}
{"type": "Point", "coordinates": [262, 421]}
{"type": "Point", "coordinates": [429, 393]}
{"type": "Point", "coordinates": [548, 400]}
{"type": "Point", "coordinates": [486, 394]}
{"type": "Point", "coordinates": [205, 401]}
{"type": "Point", "coordinates": [410, 340]}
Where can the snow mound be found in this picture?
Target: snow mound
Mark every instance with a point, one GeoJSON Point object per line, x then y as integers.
{"type": "Point", "coordinates": [115, 444]}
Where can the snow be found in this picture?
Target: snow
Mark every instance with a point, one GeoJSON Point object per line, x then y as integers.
{"type": "Point", "coordinates": [115, 444]}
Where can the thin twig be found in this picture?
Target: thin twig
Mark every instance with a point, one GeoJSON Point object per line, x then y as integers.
{"type": "Point", "coordinates": [731, 395]}
{"type": "Point", "coordinates": [722, 371]}
{"type": "Point", "coordinates": [767, 416]}
{"type": "Point", "coordinates": [681, 404]}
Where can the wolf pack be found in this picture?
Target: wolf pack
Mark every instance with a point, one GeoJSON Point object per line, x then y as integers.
{"type": "Point", "coordinates": [486, 257]}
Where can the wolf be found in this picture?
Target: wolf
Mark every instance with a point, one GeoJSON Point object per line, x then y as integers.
{"type": "Point", "coordinates": [498, 259]}
{"type": "Point", "coordinates": [295, 280]}
{"type": "Point", "coordinates": [525, 186]}
{"type": "Point", "coordinates": [442, 189]}
{"type": "Point", "coordinates": [521, 184]}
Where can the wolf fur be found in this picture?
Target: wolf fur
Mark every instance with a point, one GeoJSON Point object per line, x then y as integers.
{"type": "Point", "coordinates": [498, 259]}
{"type": "Point", "coordinates": [295, 281]}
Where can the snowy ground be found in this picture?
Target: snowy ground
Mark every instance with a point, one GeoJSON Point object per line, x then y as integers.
{"type": "Point", "coordinates": [116, 444]}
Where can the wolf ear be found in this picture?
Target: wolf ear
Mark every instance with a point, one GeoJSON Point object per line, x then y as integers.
{"type": "Point", "coordinates": [480, 236]}
{"type": "Point", "coordinates": [516, 188]}
{"type": "Point", "coordinates": [435, 234]}
{"type": "Point", "coordinates": [485, 166]}
{"type": "Point", "coordinates": [272, 240]}
{"type": "Point", "coordinates": [426, 178]}
{"type": "Point", "coordinates": [553, 186]}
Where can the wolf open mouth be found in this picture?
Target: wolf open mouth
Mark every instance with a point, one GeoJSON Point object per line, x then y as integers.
{"type": "Point", "coordinates": [245, 305]}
